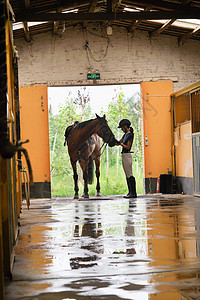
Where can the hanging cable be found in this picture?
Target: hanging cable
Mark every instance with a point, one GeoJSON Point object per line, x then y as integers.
{"type": "Point", "coordinates": [88, 48]}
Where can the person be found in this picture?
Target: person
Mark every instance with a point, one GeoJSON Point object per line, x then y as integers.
{"type": "Point", "coordinates": [126, 143]}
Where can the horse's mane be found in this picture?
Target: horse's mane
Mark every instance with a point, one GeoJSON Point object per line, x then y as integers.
{"type": "Point", "coordinates": [83, 124]}
{"type": "Point", "coordinates": [79, 126]}
{"type": "Point", "coordinates": [67, 131]}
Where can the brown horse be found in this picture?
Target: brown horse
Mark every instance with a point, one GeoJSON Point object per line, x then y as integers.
{"type": "Point", "coordinates": [84, 146]}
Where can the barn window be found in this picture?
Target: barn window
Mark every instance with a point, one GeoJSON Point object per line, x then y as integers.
{"type": "Point", "coordinates": [182, 109]}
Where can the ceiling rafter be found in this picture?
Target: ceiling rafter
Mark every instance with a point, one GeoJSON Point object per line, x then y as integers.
{"type": "Point", "coordinates": [56, 23]}
{"type": "Point", "coordinates": [184, 2]}
{"type": "Point", "coordinates": [109, 6]}
{"type": "Point", "coordinates": [168, 23]}
{"type": "Point", "coordinates": [115, 4]}
{"type": "Point", "coordinates": [28, 36]}
{"type": "Point", "coordinates": [162, 28]}
{"type": "Point", "coordinates": [93, 6]}
{"type": "Point", "coordinates": [111, 16]}
{"type": "Point", "coordinates": [135, 23]}
{"type": "Point", "coordinates": [188, 35]}
{"type": "Point", "coordinates": [159, 4]}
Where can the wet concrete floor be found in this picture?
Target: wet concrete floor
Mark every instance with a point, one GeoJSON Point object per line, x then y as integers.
{"type": "Point", "coordinates": [113, 248]}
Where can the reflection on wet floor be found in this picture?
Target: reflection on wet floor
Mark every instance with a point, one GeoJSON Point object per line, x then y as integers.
{"type": "Point", "coordinates": [144, 248]}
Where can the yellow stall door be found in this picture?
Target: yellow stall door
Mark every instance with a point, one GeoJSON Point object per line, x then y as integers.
{"type": "Point", "coordinates": [156, 131]}
{"type": "Point", "coordinates": [35, 127]}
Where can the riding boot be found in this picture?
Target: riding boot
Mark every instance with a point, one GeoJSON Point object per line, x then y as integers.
{"type": "Point", "coordinates": [132, 183]}
{"type": "Point", "coordinates": [129, 188]}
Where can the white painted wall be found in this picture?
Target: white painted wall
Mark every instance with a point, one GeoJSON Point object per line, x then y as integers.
{"type": "Point", "coordinates": [64, 61]}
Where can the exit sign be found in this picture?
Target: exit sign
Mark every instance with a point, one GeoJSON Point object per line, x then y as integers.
{"type": "Point", "coordinates": [93, 76]}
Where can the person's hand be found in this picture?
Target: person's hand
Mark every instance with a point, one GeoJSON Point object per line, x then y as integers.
{"type": "Point", "coordinates": [117, 143]}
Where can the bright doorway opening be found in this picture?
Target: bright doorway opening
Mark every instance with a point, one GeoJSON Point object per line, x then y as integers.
{"type": "Point", "coordinates": [81, 103]}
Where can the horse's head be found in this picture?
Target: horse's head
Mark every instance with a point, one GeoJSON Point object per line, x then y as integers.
{"type": "Point", "coordinates": [105, 132]}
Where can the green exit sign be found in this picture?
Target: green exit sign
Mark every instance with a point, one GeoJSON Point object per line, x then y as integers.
{"type": "Point", "coordinates": [93, 76]}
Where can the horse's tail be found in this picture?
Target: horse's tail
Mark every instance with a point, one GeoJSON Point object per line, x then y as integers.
{"type": "Point", "coordinates": [90, 170]}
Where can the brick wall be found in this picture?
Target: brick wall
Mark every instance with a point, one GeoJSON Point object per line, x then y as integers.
{"type": "Point", "coordinates": [122, 59]}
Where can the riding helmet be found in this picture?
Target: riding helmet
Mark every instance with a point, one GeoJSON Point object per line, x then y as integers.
{"type": "Point", "coordinates": [124, 122]}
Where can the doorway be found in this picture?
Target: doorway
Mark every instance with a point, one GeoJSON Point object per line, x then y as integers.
{"type": "Point", "coordinates": [69, 104]}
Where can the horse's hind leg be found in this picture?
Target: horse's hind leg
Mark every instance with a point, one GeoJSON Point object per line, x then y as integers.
{"type": "Point", "coordinates": [97, 164]}
{"type": "Point", "coordinates": [84, 167]}
{"type": "Point", "coordinates": [75, 180]}
{"type": "Point", "coordinates": [85, 175]}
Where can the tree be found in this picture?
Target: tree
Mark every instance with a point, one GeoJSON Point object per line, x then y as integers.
{"type": "Point", "coordinates": [67, 115]}
{"type": "Point", "coordinates": [130, 108]}
{"type": "Point", "coordinates": [82, 100]}
{"type": "Point", "coordinates": [117, 109]}
{"type": "Point", "coordinates": [134, 114]}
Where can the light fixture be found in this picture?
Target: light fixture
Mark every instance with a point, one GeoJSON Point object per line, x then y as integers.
{"type": "Point", "coordinates": [109, 30]}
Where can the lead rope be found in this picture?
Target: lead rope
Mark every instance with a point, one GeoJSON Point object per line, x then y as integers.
{"type": "Point", "coordinates": [104, 143]}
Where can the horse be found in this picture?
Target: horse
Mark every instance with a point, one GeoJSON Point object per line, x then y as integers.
{"type": "Point", "coordinates": [84, 146]}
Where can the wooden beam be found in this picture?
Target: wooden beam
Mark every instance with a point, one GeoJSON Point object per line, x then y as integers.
{"type": "Point", "coordinates": [135, 23]}
{"type": "Point", "coordinates": [11, 10]}
{"type": "Point", "coordinates": [184, 2]}
{"type": "Point", "coordinates": [162, 28]}
{"type": "Point", "coordinates": [115, 4]}
{"type": "Point", "coordinates": [27, 3]}
{"type": "Point", "coordinates": [160, 4]}
{"type": "Point", "coordinates": [109, 6]}
{"type": "Point", "coordinates": [168, 23]}
{"type": "Point", "coordinates": [153, 15]}
{"type": "Point", "coordinates": [28, 37]}
{"type": "Point", "coordinates": [91, 10]}
{"type": "Point", "coordinates": [188, 35]}
{"type": "Point", "coordinates": [56, 23]}
{"type": "Point", "coordinates": [93, 6]}
{"type": "Point", "coordinates": [187, 89]}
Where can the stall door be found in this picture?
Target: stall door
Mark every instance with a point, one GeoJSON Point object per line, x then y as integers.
{"type": "Point", "coordinates": [196, 161]}
{"type": "Point", "coordinates": [195, 104]}
{"type": "Point", "coordinates": [35, 127]}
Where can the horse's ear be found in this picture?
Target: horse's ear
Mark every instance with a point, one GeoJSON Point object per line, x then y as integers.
{"type": "Point", "coordinates": [97, 116]}
{"type": "Point", "coordinates": [104, 116]}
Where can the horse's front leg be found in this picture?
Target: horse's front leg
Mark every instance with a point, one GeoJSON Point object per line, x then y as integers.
{"type": "Point", "coordinates": [97, 164]}
{"type": "Point", "coordinates": [84, 167]}
{"type": "Point", "coordinates": [76, 189]}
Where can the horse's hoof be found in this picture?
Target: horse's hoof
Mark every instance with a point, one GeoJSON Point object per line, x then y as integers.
{"type": "Point", "coordinates": [98, 194]}
{"type": "Point", "coordinates": [76, 197]}
{"type": "Point", "coordinates": [86, 196]}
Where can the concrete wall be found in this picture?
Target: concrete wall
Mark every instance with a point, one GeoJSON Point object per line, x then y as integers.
{"type": "Point", "coordinates": [124, 59]}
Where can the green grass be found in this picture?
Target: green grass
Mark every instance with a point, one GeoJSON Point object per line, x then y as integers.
{"type": "Point", "coordinates": [111, 184]}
